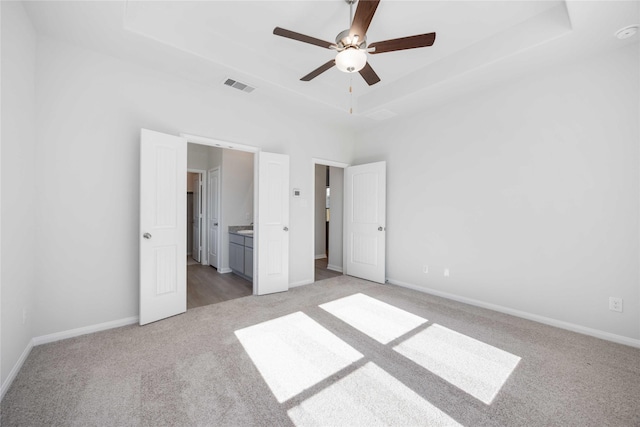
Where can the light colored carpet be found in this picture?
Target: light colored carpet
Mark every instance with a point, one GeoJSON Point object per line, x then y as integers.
{"type": "Point", "coordinates": [340, 352]}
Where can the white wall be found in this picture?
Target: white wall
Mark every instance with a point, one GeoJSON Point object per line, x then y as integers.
{"type": "Point", "coordinates": [527, 192]}
{"type": "Point", "coordinates": [198, 156]}
{"type": "Point", "coordinates": [19, 247]}
{"type": "Point", "coordinates": [320, 208]}
{"type": "Point", "coordinates": [89, 113]}
{"type": "Point", "coordinates": [236, 196]}
{"type": "Point", "coordinates": [336, 204]}
{"type": "Point", "coordinates": [215, 157]}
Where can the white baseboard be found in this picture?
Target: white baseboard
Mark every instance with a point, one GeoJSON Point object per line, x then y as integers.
{"type": "Point", "coordinates": [321, 256]}
{"type": "Point", "coordinates": [16, 368]}
{"type": "Point", "coordinates": [44, 339]}
{"type": "Point", "coordinates": [523, 314]}
{"type": "Point", "coordinates": [334, 268]}
{"type": "Point", "coordinates": [224, 270]}
{"type": "Point", "coordinates": [300, 283]}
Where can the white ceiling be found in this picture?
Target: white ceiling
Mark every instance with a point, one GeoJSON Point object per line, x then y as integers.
{"type": "Point", "coordinates": [478, 43]}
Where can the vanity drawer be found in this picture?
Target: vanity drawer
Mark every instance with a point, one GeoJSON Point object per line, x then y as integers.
{"type": "Point", "coordinates": [234, 238]}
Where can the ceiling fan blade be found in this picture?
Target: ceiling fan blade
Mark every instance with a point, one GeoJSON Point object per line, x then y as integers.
{"type": "Point", "coordinates": [422, 40]}
{"type": "Point", "coordinates": [362, 18]}
{"type": "Point", "coordinates": [321, 69]}
{"type": "Point", "coordinates": [369, 75]}
{"type": "Point", "coordinates": [301, 37]}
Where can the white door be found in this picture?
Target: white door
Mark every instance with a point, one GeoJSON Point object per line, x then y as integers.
{"type": "Point", "coordinates": [273, 223]}
{"type": "Point", "coordinates": [197, 217]}
{"type": "Point", "coordinates": [365, 218]}
{"type": "Point", "coordinates": [163, 218]}
{"type": "Point", "coordinates": [214, 215]}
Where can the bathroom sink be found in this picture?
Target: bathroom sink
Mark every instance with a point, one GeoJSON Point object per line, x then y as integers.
{"type": "Point", "coordinates": [244, 231]}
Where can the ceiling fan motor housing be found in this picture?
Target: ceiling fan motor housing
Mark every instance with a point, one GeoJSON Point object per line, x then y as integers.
{"type": "Point", "coordinates": [343, 41]}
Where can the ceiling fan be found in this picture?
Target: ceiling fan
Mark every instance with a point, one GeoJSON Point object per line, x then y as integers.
{"type": "Point", "coordinates": [351, 44]}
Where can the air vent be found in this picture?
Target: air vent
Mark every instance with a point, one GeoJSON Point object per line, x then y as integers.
{"type": "Point", "coordinates": [237, 85]}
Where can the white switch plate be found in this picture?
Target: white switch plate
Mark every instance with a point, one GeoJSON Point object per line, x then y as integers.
{"type": "Point", "coordinates": [446, 272]}
{"type": "Point", "coordinates": [615, 304]}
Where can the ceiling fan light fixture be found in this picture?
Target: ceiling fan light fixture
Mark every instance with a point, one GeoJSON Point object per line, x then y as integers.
{"type": "Point", "coordinates": [351, 60]}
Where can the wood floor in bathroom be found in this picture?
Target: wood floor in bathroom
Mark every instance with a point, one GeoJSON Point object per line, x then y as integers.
{"type": "Point", "coordinates": [206, 286]}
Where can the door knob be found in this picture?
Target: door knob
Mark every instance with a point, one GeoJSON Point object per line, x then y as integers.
{"type": "Point", "coordinates": [146, 235]}
{"type": "Point", "coordinates": [215, 224]}
{"type": "Point", "coordinates": [380, 229]}
{"type": "Point", "coordinates": [286, 228]}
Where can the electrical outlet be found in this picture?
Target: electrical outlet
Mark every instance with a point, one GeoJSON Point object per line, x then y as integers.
{"type": "Point", "coordinates": [425, 269]}
{"type": "Point", "coordinates": [446, 272]}
{"type": "Point", "coordinates": [615, 304]}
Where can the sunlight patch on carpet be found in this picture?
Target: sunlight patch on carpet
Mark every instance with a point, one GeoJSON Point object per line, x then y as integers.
{"type": "Point", "coordinates": [294, 352]}
{"type": "Point", "coordinates": [368, 396]}
{"type": "Point", "coordinates": [471, 365]}
{"type": "Point", "coordinates": [379, 320]}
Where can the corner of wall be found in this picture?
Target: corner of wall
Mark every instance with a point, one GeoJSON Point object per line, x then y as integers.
{"type": "Point", "coordinates": [18, 187]}
{"type": "Point", "coordinates": [6, 384]}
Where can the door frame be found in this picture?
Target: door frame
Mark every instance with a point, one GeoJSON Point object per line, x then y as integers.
{"type": "Point", "coordinates": [212, 142]}
{"type": "Point", "coordinates": [312, 197]}
{"type": "Point", "coordinates": [204, 257]}
{"type": "Point", "coordinates": [218, 251]}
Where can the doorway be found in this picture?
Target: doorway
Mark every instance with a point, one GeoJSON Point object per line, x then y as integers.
{"type": "Point", "coordinates": [221, 181]}
{"type": "Point", "coordinates": [213, 216]}
{"type": "Point", "coordinates": [194, 215]}
{"type": "Point", "coordinates": [328, 230]}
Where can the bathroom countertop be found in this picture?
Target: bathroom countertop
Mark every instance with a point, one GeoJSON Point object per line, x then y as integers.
{"type": "Point", "coordinates": [233, 229]}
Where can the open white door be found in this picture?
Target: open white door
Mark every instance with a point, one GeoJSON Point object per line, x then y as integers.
{"type": "Point", "coordinates": [213, 213]}
{"type": "Point", "coordinates": [273, 223]}
{"type": "Point", "coordinates": [197, 217]}
{"type": "Point", "coordinates": [163, 216]}
{"type": "Point", "coordinates": [365, 218]}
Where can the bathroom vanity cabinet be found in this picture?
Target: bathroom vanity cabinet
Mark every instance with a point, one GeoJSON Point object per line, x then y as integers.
{"type": "Point", "coordinates": [241, 255]}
